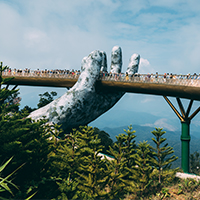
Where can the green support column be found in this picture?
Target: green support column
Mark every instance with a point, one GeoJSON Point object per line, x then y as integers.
{"type": "Point", "coordinates": [185, 136]}
{"type": "Point", "coordinates": [185, 146]}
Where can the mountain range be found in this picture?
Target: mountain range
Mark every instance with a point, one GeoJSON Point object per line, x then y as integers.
{"type": "Point", "coordinates": [143, 123]}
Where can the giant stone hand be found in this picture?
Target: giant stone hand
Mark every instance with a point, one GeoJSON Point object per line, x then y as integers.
{"type": "Point", "coordinates": [84, 103]}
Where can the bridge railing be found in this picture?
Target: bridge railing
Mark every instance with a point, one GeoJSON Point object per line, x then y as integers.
{"type": "Point", "coordinates": [186, 80]}
{"type": "Point", "coordinates": [35, 74]}
{"type": "Point", "coordinates": [156, 79]}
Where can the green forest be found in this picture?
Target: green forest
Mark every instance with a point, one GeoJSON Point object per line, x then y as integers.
{"type": "Point", "coordinates": [41, 161]}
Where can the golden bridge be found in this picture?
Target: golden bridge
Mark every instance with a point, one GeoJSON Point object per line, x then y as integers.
{"type": "Point", "coordinates": [178, 86]}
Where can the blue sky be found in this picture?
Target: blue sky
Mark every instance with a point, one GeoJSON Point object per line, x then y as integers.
{"type": "Point", "coordinates": [58, 34]}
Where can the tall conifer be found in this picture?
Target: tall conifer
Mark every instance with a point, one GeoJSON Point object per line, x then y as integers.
{"type": "Point", "coordinates": [143, 167]}
{"type": "Point", "coordinates": [162, 152]}
{"type": "Point", "coordinates": [120, 167]}
{"type": "Point", "coordinates": [92, 174]}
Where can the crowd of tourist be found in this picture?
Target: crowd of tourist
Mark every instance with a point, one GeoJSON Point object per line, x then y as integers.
{"type": "Point", "coordinates": [37, 72]}
{"type": "Point", "coordinates": [155, 78]}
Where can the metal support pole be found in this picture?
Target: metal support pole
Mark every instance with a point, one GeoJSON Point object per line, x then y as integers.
{"type": "Point", "coordinates": [185, 136]}
{"type": "Point", "coordinates": [185, 146]}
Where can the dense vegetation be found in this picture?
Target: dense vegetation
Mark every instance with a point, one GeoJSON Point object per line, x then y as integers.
{"type": "Point", "coordinates": [173, 139]}
{"type": "Point", "coordinates": [40, 161]}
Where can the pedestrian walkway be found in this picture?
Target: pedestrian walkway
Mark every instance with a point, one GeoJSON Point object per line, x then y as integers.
{"type": "Point", "coordinates": [167, 79]}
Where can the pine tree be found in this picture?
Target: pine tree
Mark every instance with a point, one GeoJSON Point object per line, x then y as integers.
{"type": "Point", "coordinates": [46, 98]}
{"type": "Point", "coordinates": [92, 174]}
{"type": "Point", "coordinates": [143, 167]}
{"type": "Point", "coordinates": [120, 167]}
{"type": "Point", "coordinates": [129, 147]}
{"type": "Point", "coordinates": [65, 158]}
{"type": "Point", "coordinates": [82, 171]}
{"type": "Point", "coordinates": [162, 152]}
{"type": "Point", "coordinates": [66, 164]}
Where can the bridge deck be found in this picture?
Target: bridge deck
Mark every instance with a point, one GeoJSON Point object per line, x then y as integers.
{"type": "Point", "coordinates": [183, 88]}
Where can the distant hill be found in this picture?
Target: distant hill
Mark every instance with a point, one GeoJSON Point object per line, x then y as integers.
{"type": "Point", "coordinates": [144, 133]}
{"type": "Point", "coordinates": [114, 121]}
{"type": "Point", "coordinates": [120, 118]}
{"type": "Point", "coordinates": [116, 118]}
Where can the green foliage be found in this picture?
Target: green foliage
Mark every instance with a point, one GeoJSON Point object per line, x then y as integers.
{"type": "Point", "coordinates": [27, 109]}
{"type": "Point", "coordinates": [195, 163]}
{"type": "Point", "coordinates": [129, 146]}
{"type": "Point", "coordinates": [4, 182]}
{"type": "Point", "coordinates": [71, 167]}
{"type": "Point", "coordinates": [162, 151]}
{"type": "Point", "coordinates": [28, 143]}
{"type": "Point", "coordinates": [83, 174]}
{"type": "Point", "coordinates": [6, 96]}
{"type": "Point", "coordinates": [188, 185]}
{"type": "Point", "coordinates": [123, 152]}
{"type": "Point", "coordinates": [144, 169]}
{"type": "Point", "coordinates": [66, 156]}
{"type": "Point", "coordinates": [68, 189]}
{"type": "Point", "coordinates": [3, 80]}
{"type": "Point", "coordinates": [46, 98]}
{"type": "Point", "coordinates": [105, 139]}
{"type": "Point", "coordinates": [78, 158]}
{"type": "Point", "coordinates": [163, 194]}
{"type": "Point", "coordinates": [91, 170]}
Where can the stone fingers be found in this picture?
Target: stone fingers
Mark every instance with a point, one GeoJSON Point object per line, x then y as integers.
{"type": "Point", "coordinates": [133, 64]}
{"type": "Point", "coordinates": [116, 60]}
{"type": "Point", "coordinates": [84, 103]}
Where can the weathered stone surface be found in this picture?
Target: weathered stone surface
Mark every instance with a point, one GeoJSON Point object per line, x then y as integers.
{"type": "Point", "coordinates": [104, 63]}
{"type": "Point", "coordinates": [116, 60]}
{"type": "Point", "coordinates": [133, 64]}
{"type": "Point", "coordinates": [83, 103]}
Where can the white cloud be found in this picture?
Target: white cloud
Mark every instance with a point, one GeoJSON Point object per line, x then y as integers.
{"type": "Point", "coordinates": [145, 67]}
{"type": "Point", "coordinates": [36, 38]}
{"type": "Point", "coordinates": [63, 32]}
{"type": "Point", "coordinates": [58, 34]}
{"type": "Point", "coordinates": [164, 124]}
